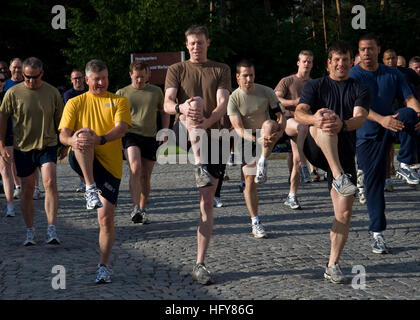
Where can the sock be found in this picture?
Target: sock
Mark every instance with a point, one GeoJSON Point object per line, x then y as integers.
{"type": "Point", "coordinates": [262, 159]}
{"type": "Point", "coordinates": [292, 195]}
{"type": "Point", "coordinates": [92, 186]}
{"type": "Point", "coordinates": [255, 220]}
{"type": "Point", "coordinates": [404, 165]}
{"type": "Point", "coordinates": [51, 226]}
{"type": "Point", "coordinates": [10, 207]}
{"type": "Point", "coordinates": [376, 234]}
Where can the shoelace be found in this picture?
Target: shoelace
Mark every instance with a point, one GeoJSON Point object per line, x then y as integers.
{"type": "Point", "coordinates": [89, 193]}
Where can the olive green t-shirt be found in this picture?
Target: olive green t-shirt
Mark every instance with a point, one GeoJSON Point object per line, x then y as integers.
{"type": "Point", "coordinates": [199, 79]}
{"type": "Point", "coordinates": [35, 114]}
{"type": "Point", "coordinates": [144, 106]}
{"type": "Point", "coordinates": [252, 106]}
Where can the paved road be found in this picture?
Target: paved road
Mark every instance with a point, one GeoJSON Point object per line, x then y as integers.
{"type": "Point", "coordinates": [154, 261]}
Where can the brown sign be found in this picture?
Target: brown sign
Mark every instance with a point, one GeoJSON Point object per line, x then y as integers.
{"type": "Point", "coordinates": [159, 63]}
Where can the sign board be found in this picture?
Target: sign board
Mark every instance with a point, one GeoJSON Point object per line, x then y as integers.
{"type": "Point", "coordinates": [159, 63]}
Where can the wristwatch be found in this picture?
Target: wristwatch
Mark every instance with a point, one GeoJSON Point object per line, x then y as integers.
{"type": "Point", "coordinates": [177, 110]}
{"type": "Point", "coordinates": [103, 140]}
{"type": "Point", "coordinates": [344, 127]}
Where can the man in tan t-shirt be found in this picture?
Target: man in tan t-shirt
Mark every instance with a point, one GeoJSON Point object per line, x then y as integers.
{"type": "Point", "coordinates": [248, 111]}
{"type": "Point", "coordinates": [288, 91]}
{"type": "Point", "coordinates": [146, 101]}
{"type": "Point", "coordinates": [198, 89]}
{"type": "Point", "coordinates": [36, 109]}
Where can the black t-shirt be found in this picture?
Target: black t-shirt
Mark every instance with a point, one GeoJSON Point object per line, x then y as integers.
{"type": "Point", "coordinates": [339, 96]}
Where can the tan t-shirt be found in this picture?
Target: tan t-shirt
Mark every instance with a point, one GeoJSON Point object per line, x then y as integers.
{"type": "Point", "coordinates": [290, 88]}
{"type": "Point", "coordinates": [253, 106]}
{"type": "Point", "coordinates": [199, 79]}
{"type": "Point", "coordinates": [144, 106]}
{"type": "Point", "coordinates": [35, 114]}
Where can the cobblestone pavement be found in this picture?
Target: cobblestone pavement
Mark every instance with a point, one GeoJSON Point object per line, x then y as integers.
{"type": "Point", "coordinates": [154, 261]}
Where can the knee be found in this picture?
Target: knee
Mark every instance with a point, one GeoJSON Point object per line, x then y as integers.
{"type": "Point", "coordinates": [135, 168]}
{"type": "Point", "coordinates": [269, 126]}
{"type": "Point", "coordinates": [106, 222]}
{"type": "Point", "coordinates": [197, 102]}
{"type": "Point", "coordinates": [408, 116]}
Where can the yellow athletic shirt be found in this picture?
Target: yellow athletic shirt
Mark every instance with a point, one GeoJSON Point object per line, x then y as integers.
{"type": "Point", "coordinates": [99, 113]}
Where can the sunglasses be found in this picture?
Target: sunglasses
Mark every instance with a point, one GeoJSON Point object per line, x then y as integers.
{"type": "Point", "coordinates": [32, 77]}
{"type": "Point", "coordinates": [3, 80]}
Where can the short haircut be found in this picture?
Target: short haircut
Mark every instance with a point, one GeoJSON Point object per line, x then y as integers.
{"type": "Point", "coordinates": [390, 51]}
{"type": "Point", "coordinates": [76, 70]}
{"type": "Point", "coordinates": [341, 47]}
{"type": "Point", "coordinates": [305, 53]}
{"type": "Point", "coordinates": [370, 36]}
{"type": "Point", "coordinates": [244, 63]}
{"type": "Point", "coordinates": [96, 66]}
{"type": "Point", "coordinates": [402, 60]}
{"type": "Point", "coordinates": [414, 60]}
{"type": "Point", "coordinates": [32, 62]}
{"type": "Point", "coordinates": [13, 59]}
{"type": "Point", "coordinates": [197, 29]}
{"type": "Point", "coordinates": [139, 65]}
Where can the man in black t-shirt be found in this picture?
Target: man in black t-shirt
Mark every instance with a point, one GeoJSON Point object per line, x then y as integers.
{"type": "Point", "coordinates": [335, 106]}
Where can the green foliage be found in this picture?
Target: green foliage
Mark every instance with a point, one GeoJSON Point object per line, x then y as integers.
{"type": "Point", "coordinates": [270, 32]}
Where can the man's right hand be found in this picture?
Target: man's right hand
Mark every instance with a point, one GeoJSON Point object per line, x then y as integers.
{"type": "Point", "coordinates": [84, 139]}
{"type": "Point", "coordinates": [5, 155]}
{"type": "Point", "coordinates": [391, 123]}
{"type": "Point", "coordinates": [191, 111]}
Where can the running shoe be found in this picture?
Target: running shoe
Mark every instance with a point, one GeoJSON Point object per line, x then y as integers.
{"type": "Point", "coordinates": [379, 245]}
{"type": "Point", "coordinates": [37, 194]}
{"type": "Point", "coordinates": [261, 175]}
{"type": "Point", "coordinates": [52, 236]}
{"type": "Point", "coordinates": [81, 187]}
{"type": "Point", "coordinates": [231, 161]}
{"type": "Point", "coordinates": [389, 187]}
{"type": "Point", "coordinates": [136, 216]}
{"type": "Point", "coordinates": [144, 217]}
{"type": "Point", "coordinates": [217, 202]}
{"type": "Point", "coordinates": [10, 212]}
{"type": "Point", "coordinates": [408, 174]}
{"type": "Point", "coordinates": [293, 203]}
{"type": "Point", "coordinates": [315, 176]}
{"type": "Point", "coordinates": [202, 176]}
{"type": "Point", "coordinates": [360, 179]}
{"type": "Point", "coordinates": [362, 197]}
{"type": "Point", "coordinates": [334, 274]}
{"type": "Point", "coordinates": [17, 193]}
{"type": "Point", "coordinates": [258, 231]}
{"type": "Point", "coordinates": [241, 186]}
{"type": "Point", "coordinates": [92, 199]}
{"type": "Point", "coordinates": [103, 274]}
{"type": "Point", "coordinates": [344, 186]}
{"type": "Point", "coordinates": [30, 235]}
{"type": "Point", "coordinates": [305, 175]}
{"type": "Point", "coordinates": [201, 274]}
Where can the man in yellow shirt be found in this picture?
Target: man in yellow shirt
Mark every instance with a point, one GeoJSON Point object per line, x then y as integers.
{"type": "Point", "coordinates": [35, 107]}
{"type": "Point", "coordinates": [146, 101]}
{"type": "Point", "coordinates": [93, 124]}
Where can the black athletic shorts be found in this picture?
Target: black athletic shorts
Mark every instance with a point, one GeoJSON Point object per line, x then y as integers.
{"type": "Point", "coordinates": [27, 161]}
{"type": "Point", "coordinates": [147, 145]}
{"type": "Point", "coordinates": [105, 181]}
{"type": "Point", "coordinates": [8, 141]}
{"type": "Point", "coordinates": [214, 167]}
{"type": "Point", "coordinates": [316, 157]}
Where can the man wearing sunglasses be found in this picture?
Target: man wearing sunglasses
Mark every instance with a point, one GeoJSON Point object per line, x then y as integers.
{"type": "Point", "coordinates": [35, 107]}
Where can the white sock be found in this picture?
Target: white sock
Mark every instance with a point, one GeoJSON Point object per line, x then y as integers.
{"type": "Point", "coordinates": [262, 159]}
{"type": "Point", "coordinates": [404, 165]}
{"type": "Point", "coordinates": [292, 195]}
{"type": "Point", "coordinates": [51, 226]}
{"type": "Point", "coordinates": [92, 186]}
{"type": "Point", "coordinates": [255, 220]}
{"type": "Point", "coordinates": [376, 234]}
{"type": "Point", "coordinates": [10, 206]}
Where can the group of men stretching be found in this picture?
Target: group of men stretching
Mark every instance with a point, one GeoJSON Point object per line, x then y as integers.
{"type": "Point", "coordinates": [319, 116]}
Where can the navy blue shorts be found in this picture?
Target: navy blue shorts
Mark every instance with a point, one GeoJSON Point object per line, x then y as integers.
{"type": "Point", "coordinates": [27, 162]}
{"type": "Point", "coordinates": [106, 182]}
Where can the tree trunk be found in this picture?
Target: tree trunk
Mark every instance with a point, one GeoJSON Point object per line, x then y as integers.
{"type": "Point", "coordinates": [313, 20]}
{"type": "Point", "coordinates": [325, 25]}
{"type": "Point", "coordinates": [337, 3]}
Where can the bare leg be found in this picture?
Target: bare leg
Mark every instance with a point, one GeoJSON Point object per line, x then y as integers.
{"type": "Point", "coordinates": [106, 230]}
{"type": "Point", "coordinates": [49, 180]}
{"type": "Point", "coordinates": [27, 201]}
{"type": "Point", "coordinates": [145, 177]}
{"type": "Point", "coordinates": [134, 160]}
{"type": "Point", "coordinates": [341, 225]}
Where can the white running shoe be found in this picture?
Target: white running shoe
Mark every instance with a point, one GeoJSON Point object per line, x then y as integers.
{"type": "Point", "coordinates": [92, 199]}
{"type": "Point", "coordinates": [52, 236]}
{"type": "Point", "coordinates": [261, 175]}
{"type": "Point", "coordinates": [103, 274]}
{"type": "Point", "coordinates": [258, 230]}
